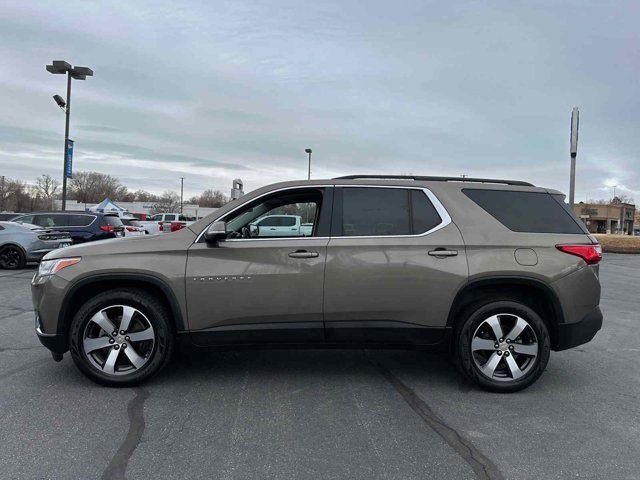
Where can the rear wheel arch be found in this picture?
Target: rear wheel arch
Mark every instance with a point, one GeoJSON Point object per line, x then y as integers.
{"type": "Point", "coordinates": [84, 289]}
{"type": "Point", "coordinates": [531, 292]}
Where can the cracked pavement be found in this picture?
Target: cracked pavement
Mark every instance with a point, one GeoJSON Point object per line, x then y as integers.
{"type": "Point", "coordinates": [324, 413]}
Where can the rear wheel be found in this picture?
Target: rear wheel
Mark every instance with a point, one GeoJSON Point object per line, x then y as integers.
{"type": "Point", "coordinates": [121, 337]}
{"type": "Point", "coordinates": [503, 346]}
{"type": "Point", "coordinates": [12, 258]}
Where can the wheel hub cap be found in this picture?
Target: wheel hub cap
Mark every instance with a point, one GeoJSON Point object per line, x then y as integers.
{"type": "Point", "coordinates": [118, 340]}
{"type": "Point", "coordinates": [504, 347]}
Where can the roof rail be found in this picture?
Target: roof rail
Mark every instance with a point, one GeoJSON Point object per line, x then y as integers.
{"type": "Point", "coordinates": [435, 179]}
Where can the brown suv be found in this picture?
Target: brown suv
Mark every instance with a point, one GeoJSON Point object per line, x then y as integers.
{"type": "Point", "coordinates": [498, 272]}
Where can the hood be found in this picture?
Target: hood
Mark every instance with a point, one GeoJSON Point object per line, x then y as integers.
{"type": "Point", "coordinates": [180, 240]}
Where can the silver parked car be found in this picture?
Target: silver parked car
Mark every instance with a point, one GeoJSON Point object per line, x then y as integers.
{"type": "Point", "coordinates": [22, 243]}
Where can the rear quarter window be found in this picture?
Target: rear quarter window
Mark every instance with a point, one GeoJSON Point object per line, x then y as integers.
{"type": "Point", "coordinates": [532, 212]}
{"type": "Point", "coordinates": [112, 220]}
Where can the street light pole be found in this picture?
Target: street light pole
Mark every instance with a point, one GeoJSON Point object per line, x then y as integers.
{"type": "Point", "coordinates": [573, 151]}
{"type": "Point", "coordinates": [181, 192]}
{"type": "Point", "coordinates": [67, 114]}
{"type": "Point", "coordinates": [60, 67]}
{"type": "Point", "coordinates": [308, 150]}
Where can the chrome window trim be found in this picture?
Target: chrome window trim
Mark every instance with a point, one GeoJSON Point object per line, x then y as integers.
{"type": "Point", "coordinates": [444, 215]}
{"type": "Point", "coordinates": [283, 189]}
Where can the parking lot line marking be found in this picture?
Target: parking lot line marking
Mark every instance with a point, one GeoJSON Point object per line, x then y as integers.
{"type": "Point", "coordinates": [483, 467]}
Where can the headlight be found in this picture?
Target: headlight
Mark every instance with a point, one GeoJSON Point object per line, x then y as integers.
{"type": "Point", "coordinates": [50, 267]}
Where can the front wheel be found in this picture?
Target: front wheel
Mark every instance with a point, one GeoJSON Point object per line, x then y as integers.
{"type": "Point", "coordinates": [121, 337]}
{"type": "Point", "coordinates": [503, 346]}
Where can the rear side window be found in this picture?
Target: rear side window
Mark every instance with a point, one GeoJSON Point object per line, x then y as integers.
{"type": "Point", "coordinates": [533, 212]}
{"type": "Point", "coordinates": [386, 211]}
{"type": "Point", "coordinates": [80, 220]}
{"type": "Point", "coordinates": [169, 218]}
{"type": "Point", "coordinates": [112, 220]}
{"type": "Point", "coordinates": [287, 221]}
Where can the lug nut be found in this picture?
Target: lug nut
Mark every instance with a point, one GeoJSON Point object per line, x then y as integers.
{"type": "Point", "coordinates": [122, 332]}
{"type": "Point", "coordinates": [111, 340]}
{"type": "Point", "coordinates": [127, 338]}
{"type": "Point", "coordinates": [496, 345]}
{"type": "Point", "coordinates": [511, 347]}
{"type": "Point", "coordinates": [116, 346]}
{"type": "Point", "coordinates": [508, 340]}
{"type": "Point", "coordinates": [499, 353]}
{"type": "Point", "coordinates": [124, 345]}
{"type": "Point", "coordinates": [501, 340]}
{"type": "Point", "coordinates": [506, 354]}
{"type": "Point", "coordinates": [115, 333]}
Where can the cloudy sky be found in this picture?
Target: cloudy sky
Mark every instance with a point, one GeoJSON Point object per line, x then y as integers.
{"type": "Point", "coordinates": [213, 90]}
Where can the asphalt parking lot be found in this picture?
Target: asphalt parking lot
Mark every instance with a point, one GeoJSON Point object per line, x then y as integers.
{"type": "Point", "coordinates": [324, 413]}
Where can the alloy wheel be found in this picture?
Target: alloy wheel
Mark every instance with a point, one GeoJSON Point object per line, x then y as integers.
{"type": "Point", "coordinates": [504, 347]}
{"type": "Point", "coordinates": [10, 258]}
{"type": "Point", "coordinates": [118, 340]}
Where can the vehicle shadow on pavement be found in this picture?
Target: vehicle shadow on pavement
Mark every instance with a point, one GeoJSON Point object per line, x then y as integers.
{"type": "Point", "coordinates": [205, 363]}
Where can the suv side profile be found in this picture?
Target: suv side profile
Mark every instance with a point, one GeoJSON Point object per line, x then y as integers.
{"type": "Point", "coordinates": [81, 226]}
{"type": "Point", "coordinates": [498, 272]}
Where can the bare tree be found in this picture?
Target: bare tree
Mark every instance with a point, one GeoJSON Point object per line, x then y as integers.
{"type": "Point", "coordinates": [47, 187]}
{"type": "Point", "coordinates": [167, 203]}
{"type": "Point", "coordinates": [93, 187]}
{"type": "Point", "coordinates": [17, 197]}
{"type": "Point", "coordinates": [210, 198]}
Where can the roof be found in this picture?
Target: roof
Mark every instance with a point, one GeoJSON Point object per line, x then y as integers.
{"type": "Point", "coordinates": [107, 206]}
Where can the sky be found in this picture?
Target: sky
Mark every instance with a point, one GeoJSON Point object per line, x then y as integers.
{"type": "Point", "coordinates": [217, 90]}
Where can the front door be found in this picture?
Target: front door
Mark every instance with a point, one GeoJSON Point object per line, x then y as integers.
{"type": "Point", "coordinates": [256, 288]}
{"type": "Point", "coordinates": [394, 264]}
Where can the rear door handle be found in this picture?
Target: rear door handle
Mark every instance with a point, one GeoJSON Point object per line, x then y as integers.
{"type": "Point", "coordinates": [441, 252]}
{"type": "Point", "coordinates": [303, 254]}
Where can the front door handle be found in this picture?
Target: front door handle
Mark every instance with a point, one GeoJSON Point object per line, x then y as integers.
{"type": "Point", "coordinates": [441, 252]}
{"type": "Point", "coordinates": [303, 254]}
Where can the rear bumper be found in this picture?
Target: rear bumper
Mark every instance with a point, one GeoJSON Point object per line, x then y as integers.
{"type": "Point", "coordinates": [573, 334]}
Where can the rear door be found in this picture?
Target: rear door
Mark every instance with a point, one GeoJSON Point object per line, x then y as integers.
{"type": "Point", "coordinates": [394, 264]}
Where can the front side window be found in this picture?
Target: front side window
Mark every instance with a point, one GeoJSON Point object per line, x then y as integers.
{"type": "Point", "coordinates": [287, 214]}
{"type": "Point", "coordinates": [370, 211]}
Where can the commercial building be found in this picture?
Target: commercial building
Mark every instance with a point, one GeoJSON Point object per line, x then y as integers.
{"type": "Point", "coordinates": [615, 217]}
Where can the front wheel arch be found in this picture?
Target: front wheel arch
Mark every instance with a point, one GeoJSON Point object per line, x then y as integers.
{"type": "Point", "coordinates": [96, 284]}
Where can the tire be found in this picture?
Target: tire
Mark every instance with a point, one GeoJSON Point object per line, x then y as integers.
{"type": "Point", "coordinates": [490, 363]}
{"type": "Point", "coordinates": [119, 360]}
{"type": "Point", "coordinates": [12, 258]}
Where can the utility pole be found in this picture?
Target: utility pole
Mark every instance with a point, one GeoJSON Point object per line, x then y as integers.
{"type": "Point", "coordinates": [2, 195]}
{"type": "Point", "coordinates": [78, 73]}
{"type": "Point", "coordinates": [181, 192]}
{"type": "Point", "coordinates": [308, 150]}
{"type": "Point", "coordinates": [573, 151]}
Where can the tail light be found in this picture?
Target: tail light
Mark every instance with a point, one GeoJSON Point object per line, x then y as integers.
{"type": "Point", "coordinates": [132, 229]}
{"type": "Point", "coordinates": [591, 254]}
{"type": "Point", "coordinates": [161, 228]}
{"type": "Point", "coordinates": [175, 226]}
{"type": "Point", "coordinates": [107, 228]}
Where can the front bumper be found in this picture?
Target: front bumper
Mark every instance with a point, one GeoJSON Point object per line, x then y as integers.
{"type": "Point", "coordinates": [55, 342]}
{"type": "Point", "coordinates": [573, 334]}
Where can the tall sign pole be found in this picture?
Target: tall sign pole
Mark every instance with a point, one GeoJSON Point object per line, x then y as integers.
{"type": "Point", "coordinates": [573, 151]}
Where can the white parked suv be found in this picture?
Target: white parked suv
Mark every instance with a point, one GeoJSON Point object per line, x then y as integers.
{"type": "Point", "coordinates": [279, 225]}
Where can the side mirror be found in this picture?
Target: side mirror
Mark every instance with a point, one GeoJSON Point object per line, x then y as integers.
{"type": "Point", "coordinates": [216, 231]}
